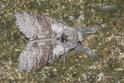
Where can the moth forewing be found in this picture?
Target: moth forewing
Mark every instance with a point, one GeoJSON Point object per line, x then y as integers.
{"type": "Point", "coordinates": [26, 24]}
{"type": "Point", "coordinates": [36, 54]}
{"type": "Point", "coordinates": [33, 25]}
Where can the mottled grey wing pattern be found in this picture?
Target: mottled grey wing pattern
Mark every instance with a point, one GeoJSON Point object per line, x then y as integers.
{"type": "Point", "coordinates": [35, 55]}
{"type": "Point", "coordinates": [33, 26]}
{"type": "Point", "coordinates": [39, 48]}
{"type": "Point", "coordinates": [48, 40]}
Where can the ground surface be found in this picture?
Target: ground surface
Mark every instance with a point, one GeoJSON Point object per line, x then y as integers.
{"type": "Point", "coordinates": [77, 68]}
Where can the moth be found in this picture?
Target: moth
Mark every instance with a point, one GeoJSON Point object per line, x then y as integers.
{"type": "Point", "coordinates": [48, 40]}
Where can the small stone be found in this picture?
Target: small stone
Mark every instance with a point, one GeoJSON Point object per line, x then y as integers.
{"type": "Point", "coordinates": [81, 17]}
{"type": "Point", "coordinates": [71, 18]}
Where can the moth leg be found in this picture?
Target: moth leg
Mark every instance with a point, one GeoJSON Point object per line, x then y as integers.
{"type": "Point", "coordinates": [63, 58]}
{"type": "Point", "coordinates": [83, 49]}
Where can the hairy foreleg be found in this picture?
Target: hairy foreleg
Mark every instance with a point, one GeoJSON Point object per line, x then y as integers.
{"type": "Point", "coordinates": [83, 49]}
